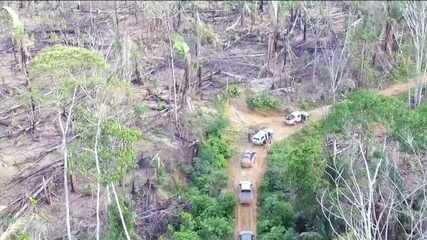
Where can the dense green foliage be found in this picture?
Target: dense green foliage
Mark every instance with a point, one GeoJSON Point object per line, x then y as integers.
{"type": "Point", "coordinates": [296, 170]}
{"type": "Point", "coordinates": [362, 108]}
{"type": "Point", "coordinates": [263, 102]}
{"type": "Point", "coordinates": [211, 213]}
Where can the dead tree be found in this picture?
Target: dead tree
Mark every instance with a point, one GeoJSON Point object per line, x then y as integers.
{"type": "Point", "coordinates": [367, 196]}
{"type": "Point", "coordinates": [336, 58]}
{"type": "Point", "coordinates": [415, 15]}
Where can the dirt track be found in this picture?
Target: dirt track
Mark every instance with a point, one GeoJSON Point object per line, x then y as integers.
{"type": "Point", "coordinates": [242, 119]}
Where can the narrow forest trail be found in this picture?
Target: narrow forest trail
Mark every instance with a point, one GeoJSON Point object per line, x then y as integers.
{"type": "Point", "coordinates": [242, 119]}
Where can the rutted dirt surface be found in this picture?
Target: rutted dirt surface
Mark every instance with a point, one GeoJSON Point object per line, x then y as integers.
{"type": "Point", "coordinates": [242, 119]}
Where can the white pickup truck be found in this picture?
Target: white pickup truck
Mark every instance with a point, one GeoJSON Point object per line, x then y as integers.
{"type": "Point", "coordinates": [262, 137]}
{"type": "Point", "coordinates": [296, 117]}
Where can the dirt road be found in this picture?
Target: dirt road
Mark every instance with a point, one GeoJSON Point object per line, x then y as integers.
{"type": "Point", "coordinates": [242, 119]}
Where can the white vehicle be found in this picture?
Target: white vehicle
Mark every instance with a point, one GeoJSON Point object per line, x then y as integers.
{"type": "Point", "coordinates": [246, 235]}
{"type": "Point", "coordinates": [262, 137]}
{"type": "Point", "coordinates": [245, 192]}
{"type": "Point", "coordinates": [296, 117]}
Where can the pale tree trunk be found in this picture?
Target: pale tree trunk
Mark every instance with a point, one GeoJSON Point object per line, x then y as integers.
{"type": "Point", "coordinates": [98, 177]}
{"type": "Point", "coordinates": [352, 199]}
{"type": "Point", "coordinates": [64, 130]}
{"type": "Point", "coordinates": [368, 198]}
{"type": "Point", "coordinates": [336, 62]}
{"type": "Point", "coordinates": [120, 212]}
{"type": "Point", "coordinates": [198, 45]}
{"type": "Point", "coordinates": [172, 65]}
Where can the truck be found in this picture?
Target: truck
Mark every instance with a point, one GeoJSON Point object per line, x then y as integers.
{"type": "Point", "coordinates": [262, 137]}
{"type": "Point", "coordinates": [245, 192]}
{"type": "Point", "coordinates": [296, 117]}
{"type": "Point", "coordinates": [248, 159]}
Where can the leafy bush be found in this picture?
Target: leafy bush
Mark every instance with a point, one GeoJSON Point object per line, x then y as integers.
{"type": "Point", "coordinates": [403, 71]}
{"type": "Point", "coordinates": [233, 91]}
{"type": "Point", "coordinates": [361, 108]}
{"type": "Point", "coordinates": [411, 129]}
{"type": "Point", "coordinates": [180, 46]}
{"type": "Point", "coordinates": [63, 60]}
{"type": "Point", "coordinates": [263, 102]}
{"type": "Point", "coordinates": [276, 212]}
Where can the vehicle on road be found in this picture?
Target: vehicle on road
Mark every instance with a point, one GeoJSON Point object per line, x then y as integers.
{"type": "Point", "coordinates": [245, 192]}
{"type": "Point", "coordinates": [296, 117]}
{"type": "Point", "coordinates": [248, 159]}
{"type": "Point", "coordinates": [246, 235]}
{"type": "Point", "coordinates": [262, 137]}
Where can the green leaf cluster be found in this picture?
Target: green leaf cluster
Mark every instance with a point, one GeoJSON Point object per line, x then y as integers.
{"type": "Point", "coordinates": [181, 46]}
{"type": "Point", "coordinates": [263, 102]}
{"type": "Point", "coordinates": [64, 61]}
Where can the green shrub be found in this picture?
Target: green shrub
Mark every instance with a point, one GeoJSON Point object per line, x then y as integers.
{"type": "Point", "coordinates": [411, 129]}
{"type": "Point", "coordinates": [263, 102]}
{"type": "Point", "coordinates": [361, 108]}
{"type": "Point", "coordinates": [275, 212]}
{"type": "Point", "coordinates": [403, 71]}
{"type": "Point", "coordinates": [233, 91]}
